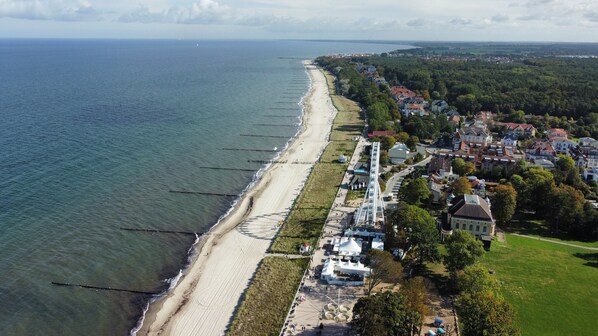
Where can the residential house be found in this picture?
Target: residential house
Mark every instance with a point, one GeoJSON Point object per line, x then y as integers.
{"type": "Point", "coordinates": [477, 132]}
{"type": "Point", "coordinates": [562, 145]}
{"type": "Point", "coordinates": [556, 133]}
{"type": "Point", "coordinates": [471, 213]}
{"type": "Point", "coordinates": [591, 174]}
{"type": "Point", "coordinates": [400, 93]}
{"type": "Point", "coordinates": [586, 154]}
{"type": "Point", "coordinates": [485, 116]}
{"type": "Point", "coordinates": [436, 190]}
{"type": "Point", "coordinates": [521, 130]}
{"type": "Point", "coordinates": [510, 140]}
{"type": "Point", "coordinates": [414, 109]}
{"type": "Point", "coordinates": [398, 153]}
{"type": "Point", "coordinates": [540, 149]}
{"type": "Point", "coordinates": [588, 142]}
{"type": "Point", "coordinates": [438, 106]}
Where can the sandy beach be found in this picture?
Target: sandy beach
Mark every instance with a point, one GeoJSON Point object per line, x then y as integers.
{"type": "Point", "coordinates": [205, 299]}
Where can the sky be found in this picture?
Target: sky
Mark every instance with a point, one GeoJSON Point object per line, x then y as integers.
{"type": "Point", "coordinates": [416, 20]}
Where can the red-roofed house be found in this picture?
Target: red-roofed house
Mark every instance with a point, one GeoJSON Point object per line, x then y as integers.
{"type": "Point", "coordinates": [382, 133]}
{"type": "Point", "coordinates": [525, 130]}
{"type": "Point", "coordinates": [414, 109]}
{"type": "Point", "coordinates": [556, 133]}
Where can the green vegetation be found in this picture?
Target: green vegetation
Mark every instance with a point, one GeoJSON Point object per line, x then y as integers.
{"type": "Point", "coordinates": [463, 249]}
{"type": "Point", "coordinates": [269, 297]}
{"type": "Point", "coordinates": [307, 218]}
{"type": "Point", "coordinates": [391, 313]}
{"type": "Point", "coordinates": [384, 269]}
{"type": "Point", "coordinates": [556, 86]}
{"type": "Point", "coordinates": [527, 224]}
{"type": "Point", "coordinates": [552, 287]}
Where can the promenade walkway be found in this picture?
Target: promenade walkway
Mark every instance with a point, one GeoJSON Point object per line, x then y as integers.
{"type": "Point", "coordinates": [305, 318]}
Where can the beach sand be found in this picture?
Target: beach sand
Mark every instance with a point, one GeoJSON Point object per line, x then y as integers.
{"type": "Point", "coordinates": [205, 299]}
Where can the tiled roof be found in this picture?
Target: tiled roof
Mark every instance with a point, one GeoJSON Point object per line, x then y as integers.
{"type": "Point", "coordinates": [471, 207]}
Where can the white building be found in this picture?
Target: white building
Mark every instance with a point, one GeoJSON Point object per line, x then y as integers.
{"type": "Point", "coordinates": [471, 213]}
{"type": "Point", "coordinates": [563, 145]}
{"type": "Point", "coordinates": [398, 153]}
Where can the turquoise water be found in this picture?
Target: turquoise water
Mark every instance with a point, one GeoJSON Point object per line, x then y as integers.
{"type": "Point", "coordinates": [94, 136]}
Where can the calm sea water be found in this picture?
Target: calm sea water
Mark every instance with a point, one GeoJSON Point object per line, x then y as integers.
{"type": "Point", "coordinates": [94, 135]}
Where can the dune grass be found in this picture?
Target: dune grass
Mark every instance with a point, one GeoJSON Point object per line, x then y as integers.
{"type": "Point", "coordinates": [269, 297]}
{"type": "Point", "coordinates": [552, 287]}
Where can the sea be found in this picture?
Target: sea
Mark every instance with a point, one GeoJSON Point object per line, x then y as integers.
{"type": "Point", "coordinates": [99, 137]}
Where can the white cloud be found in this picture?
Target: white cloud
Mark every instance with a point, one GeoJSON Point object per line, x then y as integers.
{"type": "Point", "coordinates": [375, 19]}
{"type": "Point", "coordinates": [59, 10]}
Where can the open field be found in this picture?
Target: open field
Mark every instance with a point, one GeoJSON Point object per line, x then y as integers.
{"type": "Point", "coordinates": [526, 224]}
{"type": "Point", "coordinates": [274, 287]}
{"type": "Point", "coordinates": [552, 287]}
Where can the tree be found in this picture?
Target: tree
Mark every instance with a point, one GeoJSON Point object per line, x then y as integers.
{"type": "Point", "coordinates": [412, 142]}
{"type": "Point", "coordinates": [486, 313]}
{"type": "Point", "coordinates": [566, 172]}
{"type": "Point", "coordinates": [463, 249]}
{"type": "Point", "coordinates": [460, 167]}
{"type": "Point", "coordinates": [387, 143]}
{"type": "Point", "coordinates": [504, 203]}
{"type": "Point", "coordinates": [461, 186]}
{"type": "Point", "coordinates": [519, 184]}
{"type": "Point", "coordinates": [566, 210]}
{"type": "Point", "coordinates": [474, 278]}
{"type": "Point", "coordinates": [538, 188]}
{"type": "Point", "coordinates": [383, 269]}
{"type": "Point", "coordinates": [402, 137]}
{"type": "Point", "coordinates": [419, 230]}
{"type": "Point", "coordinates": [414, 291]}
{"type": "Point", "coordinates": [416, 191]}
{"type": "Point", "coordinates": [384, 314]}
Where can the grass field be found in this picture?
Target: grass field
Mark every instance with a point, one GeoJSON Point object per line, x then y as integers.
{"type": "Point", "coordinates": [269, 298]}
{"type": "Point", "coordinates": [527, 224]}
{"type": "Point", "coordinates": [552, 287]}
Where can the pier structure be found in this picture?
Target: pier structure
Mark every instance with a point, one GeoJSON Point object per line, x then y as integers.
{"type": "Point", "coordinates": [371, 211]}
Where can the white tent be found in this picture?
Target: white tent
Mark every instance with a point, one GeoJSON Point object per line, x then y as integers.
{"type": "Point", "coordinates": [350, 247]}
{"type": "Point", "coordinates": [378, 244]}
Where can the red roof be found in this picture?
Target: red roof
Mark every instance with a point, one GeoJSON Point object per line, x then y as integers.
{"type": "Point", "coordinates": [402, 91]}
{"type": "Point", "coordinates": [513, 126]}
{"type": "Point", "coordinates": [557, 131]}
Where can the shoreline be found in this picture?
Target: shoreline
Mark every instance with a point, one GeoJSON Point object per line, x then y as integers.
{"type": "Point", "coordinates": [205, 298]}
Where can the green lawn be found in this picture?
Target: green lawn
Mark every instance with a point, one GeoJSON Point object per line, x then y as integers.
{"type": "Point", "coordinates": [527, 224]}
{"type": "Point", "coordinates": [552, 287]}
{"type": "Point", "coordinates": [269, 297]}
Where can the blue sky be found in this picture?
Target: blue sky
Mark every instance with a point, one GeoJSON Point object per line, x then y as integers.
{"type": "Point", "coordinates": [461, 20]}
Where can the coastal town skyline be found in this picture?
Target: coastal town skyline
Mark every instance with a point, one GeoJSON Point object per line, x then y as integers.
{"type": "Point", "coordinates": [431, 20]}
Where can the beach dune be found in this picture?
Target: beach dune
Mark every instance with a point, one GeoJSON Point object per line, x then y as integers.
{"type": "Point", "coordinates": [205, 299]}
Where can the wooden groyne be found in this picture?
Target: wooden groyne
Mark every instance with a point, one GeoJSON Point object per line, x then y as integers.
{"type": "Point", "coordinates": [282, 161]}
{"type": "Point", "coordinates": [251, 150]}
{"type": "Point", "coordinates": [201, 193]}
{"type": "Point", "coordinates": [162, 231]}
{"type": "Point", "coordinates": [223, 168]}
{"type": "Point", "coordinates": [105, 288]}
